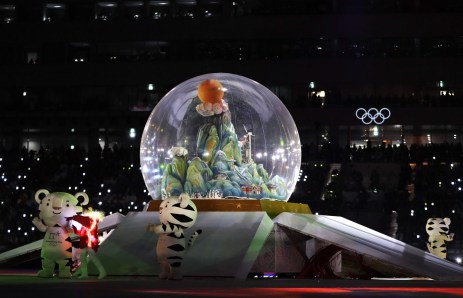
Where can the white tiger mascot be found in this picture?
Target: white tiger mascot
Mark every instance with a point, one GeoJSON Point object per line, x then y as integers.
{"type": "Point", "coordinates": [438, 231]}
{"type": "Point", "coordinates": [176, 214]}
{"type": "Point", "coordinates": [54, 211]}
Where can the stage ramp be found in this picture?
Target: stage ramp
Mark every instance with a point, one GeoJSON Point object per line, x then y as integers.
{"type": "Point", "coordinates": [228, 246]}
{"type": "Point", "coordinates": [363, 241]}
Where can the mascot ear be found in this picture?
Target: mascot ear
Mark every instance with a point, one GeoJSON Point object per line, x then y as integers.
{"type": "Point", "coordinates": [84, 200]}
{"type": "Point", "coordinates": [184, 199]}
{"type": "Point", "coordinates": [38, 193]}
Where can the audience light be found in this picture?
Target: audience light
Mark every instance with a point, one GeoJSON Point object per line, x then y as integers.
{"type": "Point", "coordinates": [132, 133]}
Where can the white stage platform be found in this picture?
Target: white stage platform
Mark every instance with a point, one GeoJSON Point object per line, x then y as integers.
{"type": "Point", "coordinates": [234, 244]}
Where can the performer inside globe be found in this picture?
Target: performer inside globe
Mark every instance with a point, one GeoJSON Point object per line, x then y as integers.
{"type": "Point", "coordinates": [86, 226]}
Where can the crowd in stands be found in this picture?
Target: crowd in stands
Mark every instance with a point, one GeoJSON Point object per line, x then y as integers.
{"type": "Point", "coordinates": [145, 102]}
{"type": "Point", "coordinates": [110, 176]}
{"type": "Point", "coordinates": [329, 152]}
{"type": "Point", "coordinates": [429, 183]}
{"type": "Point", "coordinates": [416, 181]}
{"type": "Point", "coordinates": [335, 99]}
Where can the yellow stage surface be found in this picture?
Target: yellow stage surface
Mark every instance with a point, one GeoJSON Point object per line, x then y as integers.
{"type": "Point", "coordinates": [273, 208]}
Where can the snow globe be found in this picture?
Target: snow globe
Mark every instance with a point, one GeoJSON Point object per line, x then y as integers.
{"type": "Point", "coordinates": [221, 136]}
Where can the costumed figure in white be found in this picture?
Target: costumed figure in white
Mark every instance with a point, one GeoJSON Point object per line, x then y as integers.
{"type": "Point", "coordinates": [176, 214]}
{"type": "Point", "coordinates": [54, 208]}
{"type": "Point", "coordinates": [438, 231]}
{"type": "Point", "coordinates": [86, 226]}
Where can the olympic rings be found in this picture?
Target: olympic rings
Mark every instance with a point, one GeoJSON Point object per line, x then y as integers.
{"type": "Point", "coordinates": [373, 115]}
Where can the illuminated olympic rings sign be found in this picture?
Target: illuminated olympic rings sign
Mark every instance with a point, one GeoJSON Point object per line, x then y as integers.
{"type": "Point", "coordinates": [373, 115]}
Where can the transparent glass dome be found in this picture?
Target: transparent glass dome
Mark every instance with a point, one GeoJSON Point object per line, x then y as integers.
{"type": "Point", "coordinates": [220, 135]}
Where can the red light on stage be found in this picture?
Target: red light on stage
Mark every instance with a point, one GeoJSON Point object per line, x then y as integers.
{"type": "Point", "coordinates": [296, 292]}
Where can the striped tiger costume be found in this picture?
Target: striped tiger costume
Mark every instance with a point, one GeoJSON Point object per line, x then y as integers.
{"type": "Point", "coordinates": [438, 231]}
{"type": "Point", "coordinates": [175, 214]}
{"type": "Point", "coordinates": [54, 209]}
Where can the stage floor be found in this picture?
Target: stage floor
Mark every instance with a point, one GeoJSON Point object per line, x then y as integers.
{"type": "Point", "coordinates": [24, 283]}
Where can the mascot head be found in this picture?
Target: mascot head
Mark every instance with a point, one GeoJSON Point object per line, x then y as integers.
{"type": "Point", "coordinates": [178, 211]}
{"type": "Point", "coordinates": [55, 207]}
{"type": "Point", "coordinates": [438, 226]}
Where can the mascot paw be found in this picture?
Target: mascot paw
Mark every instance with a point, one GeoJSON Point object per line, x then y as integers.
{"type": "Point", "coordinates": [163, 276]}
{"type": "Point", "coordinates": [83, 276]}
{"type": "Point", "coordinates": [45, 273]}
{"type": "Point", "coordinates": [65, 274]}
{"type": "Point", "coordinates": [36, 221]}
{"type": "Point", "coordinates": [102, 275]}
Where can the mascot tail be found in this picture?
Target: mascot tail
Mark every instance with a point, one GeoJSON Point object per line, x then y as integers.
{"type": "Point", "coordinates": [193, 237]}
